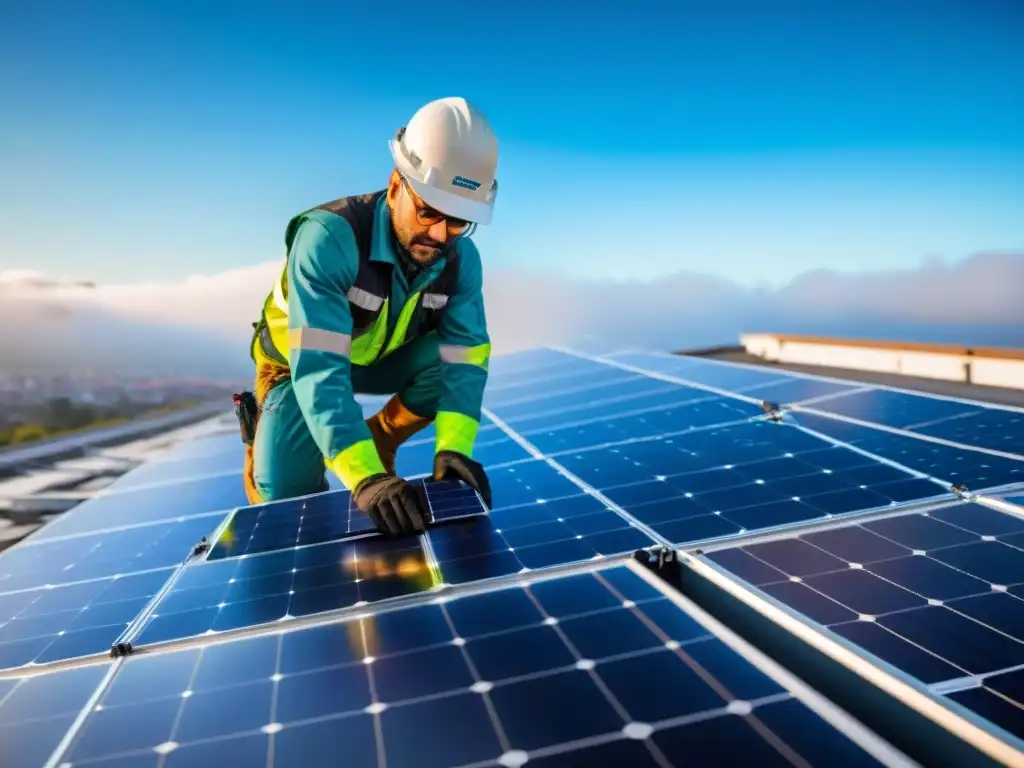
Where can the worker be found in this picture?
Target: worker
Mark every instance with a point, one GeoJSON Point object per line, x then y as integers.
{"type": "Point", "coordinates": [380, 294]}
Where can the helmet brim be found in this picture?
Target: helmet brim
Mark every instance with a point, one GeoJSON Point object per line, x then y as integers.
{"type": "Point", "coordinates": [444, 202]}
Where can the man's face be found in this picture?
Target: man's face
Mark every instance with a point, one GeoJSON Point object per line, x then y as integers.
{"type": "Point", "coordinates": [420, 229]}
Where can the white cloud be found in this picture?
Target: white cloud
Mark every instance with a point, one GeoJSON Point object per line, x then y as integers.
{"type": "Point", "coordinates": [203, 324]}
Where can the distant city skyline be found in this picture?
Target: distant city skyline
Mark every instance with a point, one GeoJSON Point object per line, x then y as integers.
{"type": "Point", "coordinates": [753, 143]}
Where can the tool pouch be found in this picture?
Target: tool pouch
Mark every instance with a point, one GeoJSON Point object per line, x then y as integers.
{"type": "Point", "coordinates": [247, 411]}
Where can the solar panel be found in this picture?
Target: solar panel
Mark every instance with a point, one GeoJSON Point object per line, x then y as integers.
{"type": "Point", "coordinates": [325, 517]}
{"type": "Point", "coordinates": [36, 712]}
{"type": "Point", "coordinates": [946, 462]}
{"type": "Point", "coordinates": [150, 504]}
{"type": "Point", "coordinates": [994, 427]}
{"type": "Point", "coordinates": [518, 636]}
{"type": "Point", "coordinates": [51, 562]}
{"type": "Point", "coordinates": [582, 668]}
{"type": "Point", "coordinates": [45, 625]}
{"type": "Point", "coordinates": [186, 468]}
{"type": "Point", "coordinates": [934, 594]}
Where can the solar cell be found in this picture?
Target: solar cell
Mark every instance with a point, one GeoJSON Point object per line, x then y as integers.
{"type": "Point", "coordinates": [664, 421]}
{"type": "Point", "coordinates": [729, 480]}
{"type": "Point", "coordinates": [46, 625]}
{"type": "Point", "coordinates": [513, 539]}
{"type": "Point", "coordinates": [44, 562]}
{"type": "Point", "coordinates": [36, 712]}
{"type": "Point", "coordinates": [973, 424]}
{"type": "Point", "coordinates": [935, 594]}
{"type": "Point", "coordinates": [573, 383]}
{"type": "Point", "coordinates": [231, 593]}
{"type": "Point", "coordinates": [954, 465]}
{"type": "Point", "coordinates": [493, 447]}
{"type": "Point", "coordinates": [591, 666]}
{"type": "Point", "coordinates": [150, 504]}
{"type": "Point", "coordinates": [660, 395]}
{"type": "Point", "coordinates": [896, 409]}
{"type": "Point", "coordinates": [555, 397]}
{"type": "Point", "coordinates": [325, 517]}
{"type": "Point", "coordinates": [994, 428]}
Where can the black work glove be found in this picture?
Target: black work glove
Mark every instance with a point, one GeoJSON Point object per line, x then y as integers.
{"type": "Point", "coordinates": [450, 465]}
{"type": "Point", "coordinates": [392, 504]}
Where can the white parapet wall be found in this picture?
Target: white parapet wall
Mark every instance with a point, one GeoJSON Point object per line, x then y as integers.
{"type": "Point", "coordinates": [987, 366]}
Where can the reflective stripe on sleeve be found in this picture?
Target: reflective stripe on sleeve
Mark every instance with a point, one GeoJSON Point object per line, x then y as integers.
{"type": "Point", "coordinates": [479, 355]}
{"type": "Point", "coordinates": [364, 299]}
{"type": "Point", "coordinates": [320, 340]}
{"type": "Point", "coordinates": [455, 432]}
{"type": "Point", "coordinates": [356, 463]}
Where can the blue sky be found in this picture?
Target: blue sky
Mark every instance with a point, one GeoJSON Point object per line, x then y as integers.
{"type": "Point", "coordinates": [750, 140]}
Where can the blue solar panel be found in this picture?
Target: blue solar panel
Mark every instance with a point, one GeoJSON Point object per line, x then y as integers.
{"type": "Point", "coordinates": [590, 667]}
{"type": "Point", "coordinates": [47, 625]}
{"type": "Point", "coordinates": [722, 482]}
{"type": "Point", "coordinates": [794, 390]}
{"type": "Point", "coordinates": [933, 594]}
{"type": "Point", "coordinates": [47, 562]}
{"type": "Point", "coordinates": [663, 422]}
{"type": "Point", "coordinates": [326, 517]}
{"type": "Point", "coordinates": [36, 712]}
{"type": "Point", "coordinates": [493, 447]}
{"type": "Point", "coordinates": [572, 385]}
{"type": "Point", "coordinates": [896, 409]}
{"type": "Point", "coordinates": [245, 591]}
{"type": "Point", "coordinates": [954, 465]}
{"type": "Point", "coordinates": [999, 430]}
{"type": "Point", "coordinates": [552, 399]}
{"type": "Point", "coordinates": [660, 395]}
{"type": "Point", "coordinates": [149, 505]}
{"type": "Point", "coordinates": [177, 470]}
{"type": "Point", "coordinates": [575, 669]}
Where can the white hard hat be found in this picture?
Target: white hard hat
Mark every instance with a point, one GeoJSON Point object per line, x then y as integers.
{"type": "Point", "coordinates": [449, 155]}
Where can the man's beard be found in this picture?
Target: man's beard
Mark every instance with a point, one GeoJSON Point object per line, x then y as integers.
{"type": "Point", "coordinates": [406, 241]}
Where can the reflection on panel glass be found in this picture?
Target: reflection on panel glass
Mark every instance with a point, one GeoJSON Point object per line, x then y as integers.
{"type": "Point", "coordinates": [795, 390]}
{"type": "Point", "coordinates": [936, 595]}
{"type": "Point", "coordinates": [102, 554]}
{"type": "Point", "coordinates": [150, 504]}
{"type": "Point", "coordinates": [589, 667]}
{"type": "Point", "coordinates": [45, 625]}
{"type": "Point", "coordinates": [36, 712]}
{"type": "Point", "coordinates": [325, 517]}
{"type": "Point", "coordinates": [177, 470]}
{"type": "Point", "coordinates": [259, 589]}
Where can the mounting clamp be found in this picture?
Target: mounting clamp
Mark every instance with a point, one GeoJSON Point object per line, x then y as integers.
{"type": "Point", "coordinates": [662, 561]}
{"type": "Point", "coordinates": [118, 650]}
{"type": "Point", "coordinates": [961, 492]}
{"type": "Point", "coordinates": [200, 548]}
{"type": "Point", "coordinates": [772, 410]}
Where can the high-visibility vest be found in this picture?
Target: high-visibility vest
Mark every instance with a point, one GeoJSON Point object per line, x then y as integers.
{"type": "Point", "coordinates": [368, 298]}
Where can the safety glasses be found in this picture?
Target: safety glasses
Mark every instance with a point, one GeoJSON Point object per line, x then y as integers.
{"type": "Point", "coordinates": [428, 216]}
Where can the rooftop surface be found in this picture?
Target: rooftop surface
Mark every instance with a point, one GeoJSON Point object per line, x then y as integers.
{"type": "Point", "coordinates": [688, 562]}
